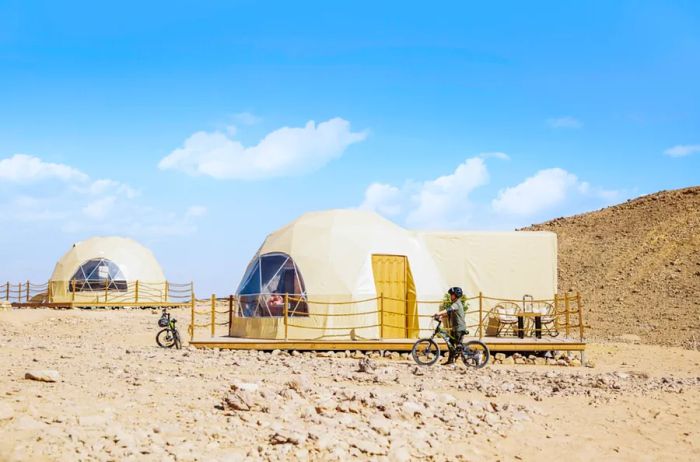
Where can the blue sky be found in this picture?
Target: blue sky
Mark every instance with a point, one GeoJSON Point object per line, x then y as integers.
{"type": "Point", "coordinates": [186, 126]}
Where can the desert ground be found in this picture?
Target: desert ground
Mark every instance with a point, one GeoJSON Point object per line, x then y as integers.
{"type": "Point", "coordinates": [121, 397]}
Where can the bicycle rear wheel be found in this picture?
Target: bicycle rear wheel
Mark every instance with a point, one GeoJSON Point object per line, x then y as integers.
{"type": "Point", "coordinates": [165, 338]}
{"type": "Point", "coordinates": [475, 354]}
{"type": "Point", "coordinates": [425, 352]}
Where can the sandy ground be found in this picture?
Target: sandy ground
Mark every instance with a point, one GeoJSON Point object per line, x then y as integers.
{"type": "Point", "coordinates": [120, 397]}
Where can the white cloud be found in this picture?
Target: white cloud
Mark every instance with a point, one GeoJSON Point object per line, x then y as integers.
{"type": "Point", "coordinates": [22, 168]}
{"type": "Point", "coordinates": [78, 204]}
{"type": "Point", "coordinates": [283, 152]}
{"type": "Point", "coordinates": [439, 203]}
{"type": "Point", "coordinates": [543, 190]}
{"type": "Point", "coordinates": [546, 190]}
{"type": "Point", "coordinates": [564, 122]}
{"type": "Point", "coordinates": [449, 201]}
{"type": "Point", "coordinates": [444, 202]}
{"type": "Point", "coordinates": [383, 198]}
{"type": "Point", "coordinates": [682, 150]}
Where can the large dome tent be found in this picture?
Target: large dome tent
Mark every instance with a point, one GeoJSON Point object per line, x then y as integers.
{"type": "Point", "coordinates": [348, 258]}
{"type": "Point", "coordinates": [114, 264]}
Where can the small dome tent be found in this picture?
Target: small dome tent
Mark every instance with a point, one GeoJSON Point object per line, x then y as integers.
{"type": "Point", "coordinates": [332, 265]}
{"type": "Point", "coordinates": [114, 264]}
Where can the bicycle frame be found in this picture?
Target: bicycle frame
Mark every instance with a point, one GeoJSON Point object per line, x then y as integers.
{"type": "Point", "coordinates": [443, 334]}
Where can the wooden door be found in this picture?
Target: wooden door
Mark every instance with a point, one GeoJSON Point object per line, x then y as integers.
{"type": "Point", "coordinates": [390, 279]}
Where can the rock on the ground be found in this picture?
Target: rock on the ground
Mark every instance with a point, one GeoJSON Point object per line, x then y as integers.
{"type": "Point", "coordinates": [47, 375]}
{"type": "Point", "coordinates": [366, 365]}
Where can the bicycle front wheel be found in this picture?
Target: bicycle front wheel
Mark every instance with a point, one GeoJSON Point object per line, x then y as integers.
{"type": "Point", "coordinates": [475, 354]}
{"type": "Point", "coordinates": [165, 338]}
{"type": "Point", "coordinates": [425, 352]}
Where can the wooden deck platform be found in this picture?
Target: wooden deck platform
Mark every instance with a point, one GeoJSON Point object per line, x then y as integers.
{"type": "Point", "coordinates": [494, 344]}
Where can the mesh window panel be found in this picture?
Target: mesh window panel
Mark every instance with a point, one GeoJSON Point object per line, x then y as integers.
{"type": "Point", "coordinates": [268, 279]}
{"type": "Point", "coordinates": [96, 275]}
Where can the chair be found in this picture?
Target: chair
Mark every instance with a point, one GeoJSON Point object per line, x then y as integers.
{"type": "Point", "coordinates": [548, 317]}
{"type": "Point", "coordinates": [507, 314]}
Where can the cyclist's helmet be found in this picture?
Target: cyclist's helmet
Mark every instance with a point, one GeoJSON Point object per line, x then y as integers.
{"type": "Point", "coordinates": [456, 291]}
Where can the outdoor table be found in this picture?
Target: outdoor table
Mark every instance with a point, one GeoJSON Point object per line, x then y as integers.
{"type": "Point", "coordinates": [521, 324]}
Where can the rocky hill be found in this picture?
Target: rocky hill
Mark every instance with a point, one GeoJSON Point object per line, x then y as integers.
{"type": "Point", "coordinates": [637, 265]}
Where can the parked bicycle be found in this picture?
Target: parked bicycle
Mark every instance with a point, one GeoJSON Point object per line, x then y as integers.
{"type": "Point", "coordinates": [426, 351]}
{"type": "Point", "coordinates": [169, 335]}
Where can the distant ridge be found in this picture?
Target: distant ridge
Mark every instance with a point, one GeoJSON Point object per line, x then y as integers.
{"type": "Point", "coordinates": [637, 265]}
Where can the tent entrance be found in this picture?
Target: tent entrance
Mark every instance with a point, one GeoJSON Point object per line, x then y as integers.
{"type": "Point", "coordinates": [393, 280]}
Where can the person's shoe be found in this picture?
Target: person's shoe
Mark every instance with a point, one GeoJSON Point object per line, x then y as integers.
{"type": "Point", "coordinates": [449, 361]}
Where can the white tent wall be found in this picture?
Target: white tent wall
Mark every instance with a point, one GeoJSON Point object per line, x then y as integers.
{"type": "Point", "coordinates": [135, 261]}
{"type": "Point", "coordinates": [498, 264]}
{"type": "Point", "coordinates": [333, 252]}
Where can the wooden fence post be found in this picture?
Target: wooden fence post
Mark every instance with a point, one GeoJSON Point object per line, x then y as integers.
{"type": "Point", "coordinates": [28, 291]}
{"type": "Point", "coordinates": [381, 315]}
{"type": "Point", "coordinates": [106, 289]}
{"type": "Point", "coordinates": [19, 293]}
{"type": "Point", "coordinates": [213, 315]}
{"type": "Point", "coordinates": [136, 292]}
{"type": "Point", "coordinates": [72, 292]}
{"type": "Point", "coordinates": [167, 289]}
{"type": "Point", "coordinates": [192, 306]}
{"type": "Point", "coordinates": [556, 311]}
{"type": "Point", "coordinates": [7, 291]}
{"type": "Point", "coordinates": [230, 313]}
{"type": "Point", "coordinates": [49, 292]}
{"type": "Point", "coordinates": [566, 317]}
{"type": "Point", "coordinates": [580, 315]}
{"type": "Point", "coordinates": [286, 315]}
{"type": "Point", "coordinates": [481, 315]}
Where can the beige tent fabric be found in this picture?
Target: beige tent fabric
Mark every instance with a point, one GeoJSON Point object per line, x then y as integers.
{"type": "Point", "coordinates": [333, 251]}
{"type": "Point", "coordinates": [503, 264]}
{"type": "Point", "coordinates": [136, 262]}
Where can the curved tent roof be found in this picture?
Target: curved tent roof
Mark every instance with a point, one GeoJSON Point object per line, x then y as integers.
{"type": "Point", "coordinates": [102, 265]}
{"type": "Point", "coordinates": [134, 260]}
{"type": "Point", "coordinates": [333, 251]}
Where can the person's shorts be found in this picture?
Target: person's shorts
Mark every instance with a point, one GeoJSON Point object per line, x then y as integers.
{"type": "Point", "coordinates": [459, 334]}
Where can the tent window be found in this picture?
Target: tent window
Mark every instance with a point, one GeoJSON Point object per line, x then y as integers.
{"type": "Point", "coordinates": [98, 274]}
{"type": "Point", "coordinates": [267, 280]}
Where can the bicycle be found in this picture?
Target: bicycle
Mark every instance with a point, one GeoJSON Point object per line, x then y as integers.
{"type": "Point", "coordinates": [169, 335]}
{"type": "Point", "coordinates": [426, 351]}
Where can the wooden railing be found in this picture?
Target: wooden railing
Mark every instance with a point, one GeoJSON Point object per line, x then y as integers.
{"type": "Point", "coordinates": [562, 314]}
{"type": "Point", "coordinates": [98, 293]}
